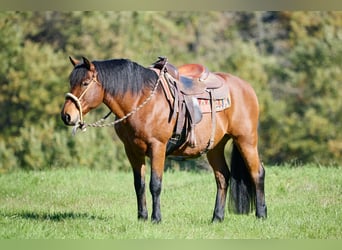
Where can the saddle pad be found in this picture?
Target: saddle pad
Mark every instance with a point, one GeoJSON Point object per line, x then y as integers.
{"type": "Point", "coordinates": [220, 105]}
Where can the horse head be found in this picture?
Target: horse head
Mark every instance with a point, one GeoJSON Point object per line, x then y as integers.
{"type": "Point", "coordinates": [86, 92]}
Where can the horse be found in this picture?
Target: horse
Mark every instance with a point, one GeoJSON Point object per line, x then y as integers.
{"type": "Point", "coordinates": [145, 122]}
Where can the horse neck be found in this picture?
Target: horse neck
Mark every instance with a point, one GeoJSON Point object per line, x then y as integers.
{"type": "Point", "coordinates": [121, 105]}
{"type": "Point", "coordinates": [125, 85]}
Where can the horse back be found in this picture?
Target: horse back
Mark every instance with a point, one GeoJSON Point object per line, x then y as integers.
{"type": "Point", "coordinates": [244, 108]}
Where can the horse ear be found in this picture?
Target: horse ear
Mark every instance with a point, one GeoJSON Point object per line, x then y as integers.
{"type": "Point", "coordinates": [74, 61]}
{"type": "Point", "coordinates": [90, 66]}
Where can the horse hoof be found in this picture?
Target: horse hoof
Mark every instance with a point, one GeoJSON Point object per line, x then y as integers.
{"type": "Point", "coordinates": [262, 214]}
{"type": "Point", "coordinates": [156, 221]}
{"type": "Point", "coordinates": [217, 220]}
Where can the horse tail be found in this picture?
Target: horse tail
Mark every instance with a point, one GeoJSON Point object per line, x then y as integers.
{"type": "Point", "coordinates": [242, 192]}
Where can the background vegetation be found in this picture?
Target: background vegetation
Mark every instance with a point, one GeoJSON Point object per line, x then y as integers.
{"type": "Point", "coordinates": [292, 59]}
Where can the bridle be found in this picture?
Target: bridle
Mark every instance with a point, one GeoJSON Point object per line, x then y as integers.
{"type": "Point", "coordinates": [77, 100]}
{"type": "Point", "coordinates": [100, 123]}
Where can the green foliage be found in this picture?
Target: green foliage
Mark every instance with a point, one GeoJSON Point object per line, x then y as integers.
{"type": "Point", "coordinates": [8, 159]}
{"type": "Point", "coordinates": [40, 147]}
{"type": "Point", "coordinates": [292, 59]}
{"type": "Point", "coordinates": [313, 76]}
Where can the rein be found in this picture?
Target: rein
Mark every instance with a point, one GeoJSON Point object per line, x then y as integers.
{"type": "Point", "coordinates": [100, 123]}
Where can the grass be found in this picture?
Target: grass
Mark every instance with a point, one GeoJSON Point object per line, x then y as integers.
{"type": "Point", "coordinates": [303, 203]}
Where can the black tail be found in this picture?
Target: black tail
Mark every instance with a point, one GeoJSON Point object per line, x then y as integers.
{"type": "Point", "coordinates": [241, 188]}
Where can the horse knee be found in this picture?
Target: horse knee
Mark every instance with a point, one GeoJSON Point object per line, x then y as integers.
{"type": "Point", "coordinates": [155, 185]}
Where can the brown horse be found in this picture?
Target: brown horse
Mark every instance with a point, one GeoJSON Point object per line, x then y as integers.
{"type": "Point", "coordinates": [145, 123]}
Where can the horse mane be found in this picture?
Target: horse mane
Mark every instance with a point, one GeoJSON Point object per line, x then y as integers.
{"type": "Point", "coordinates": [118, 76]}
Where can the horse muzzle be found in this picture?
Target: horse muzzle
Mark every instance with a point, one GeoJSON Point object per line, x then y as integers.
{"type": "Point", "coordinates": [70, 120]}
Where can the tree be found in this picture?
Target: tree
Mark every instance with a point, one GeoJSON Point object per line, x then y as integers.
{"type": "Point", "coordinates": [292, 60]}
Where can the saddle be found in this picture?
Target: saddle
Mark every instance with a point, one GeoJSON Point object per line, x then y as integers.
{"type": "Point", "coordinates": [185, 88]}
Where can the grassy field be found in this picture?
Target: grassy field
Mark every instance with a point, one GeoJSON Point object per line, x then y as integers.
{"type": "Point", "coordinates": [303, 203]}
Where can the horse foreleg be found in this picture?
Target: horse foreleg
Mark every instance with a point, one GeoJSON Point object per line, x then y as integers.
{"type": "Point", "coordinates": [138, 166]}
{"type": "Point", "coordinates": [157, 169]}
{"type": "Point", "coordinates": [139, 185]}
{"type": "Point", "coordinates": [217, 161]}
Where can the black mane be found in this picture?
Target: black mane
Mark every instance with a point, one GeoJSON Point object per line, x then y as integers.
{"type": "Point", "coordinates": [118, 76]}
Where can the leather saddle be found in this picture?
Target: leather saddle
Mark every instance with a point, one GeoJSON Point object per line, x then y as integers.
{"type": "Point", "coordinates": [194, 79]}
{"type": "Point", "coordinates": [186, 85]}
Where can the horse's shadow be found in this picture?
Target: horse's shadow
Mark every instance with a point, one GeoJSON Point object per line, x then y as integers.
{"type": "Point", "coordinates": [55, 216]}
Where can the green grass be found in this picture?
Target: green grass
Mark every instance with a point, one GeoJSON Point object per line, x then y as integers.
{"type": "Point", "coordinates": [303, 203]}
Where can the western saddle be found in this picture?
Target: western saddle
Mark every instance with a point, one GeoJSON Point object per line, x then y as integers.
{"type": "Point", "coordinates": [184, 87]}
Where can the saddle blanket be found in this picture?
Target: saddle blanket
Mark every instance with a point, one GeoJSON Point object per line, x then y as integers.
{"type": "Point", "coordinates": [220, 104]}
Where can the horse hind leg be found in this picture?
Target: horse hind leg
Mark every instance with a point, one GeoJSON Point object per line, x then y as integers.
{"type": "Point", "coordinates": [217, 161]}
{"type": "Point", "coordinates": [247, 180]}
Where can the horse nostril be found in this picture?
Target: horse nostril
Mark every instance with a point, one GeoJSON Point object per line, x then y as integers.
{"type": "Point", "coordinates": [66, 118]}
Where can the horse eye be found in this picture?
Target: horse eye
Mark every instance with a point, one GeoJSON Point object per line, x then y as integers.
{"type": "Point", "coordinates": [85, 84]}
